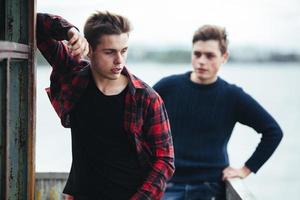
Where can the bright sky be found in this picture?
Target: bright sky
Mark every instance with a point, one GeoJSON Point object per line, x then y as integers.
{"type": "Point", "coordinates": [270, 23]}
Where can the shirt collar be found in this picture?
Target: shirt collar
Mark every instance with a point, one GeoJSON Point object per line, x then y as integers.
{"type": "Point", "coordinates": [134, 82]}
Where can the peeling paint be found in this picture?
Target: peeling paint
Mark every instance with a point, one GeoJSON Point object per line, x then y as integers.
{"type": "Point", "coordinates": [17, 83]}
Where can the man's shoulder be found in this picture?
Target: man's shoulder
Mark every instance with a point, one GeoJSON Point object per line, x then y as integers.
{"type": "Point", "coordinates": [171, 81]}
{"type": "Point", "coordinates": [143, 88]}
{"type": "Point", "coordinates": [229, 85]}
{"type": "Point", "coordinates": [173, 78]}
{"type": "Point", "coordinates": [231, 88]}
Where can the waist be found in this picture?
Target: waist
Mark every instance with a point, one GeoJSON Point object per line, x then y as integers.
{"type": "Point", "coordinates": [197, 174]}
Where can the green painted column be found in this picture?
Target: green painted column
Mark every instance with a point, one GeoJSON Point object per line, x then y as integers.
{"type": "Point", "coordinates": [17, 101]}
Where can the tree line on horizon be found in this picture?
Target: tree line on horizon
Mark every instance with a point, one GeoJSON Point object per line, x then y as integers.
{"type": "Point", "coordinates": [183, 56]}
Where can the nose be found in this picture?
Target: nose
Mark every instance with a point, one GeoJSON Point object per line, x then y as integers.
{"type": "Point", "coordinates": [202, 59]}
{"type": "Point", "coordinates": [119, 58]}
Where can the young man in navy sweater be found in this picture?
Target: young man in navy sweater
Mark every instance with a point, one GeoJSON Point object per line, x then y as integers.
{"type": "Point", "coordinates": [203, 110]}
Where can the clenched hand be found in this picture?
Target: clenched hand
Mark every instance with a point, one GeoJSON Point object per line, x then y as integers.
{"type": "Point", "coordinates": [77, 43]}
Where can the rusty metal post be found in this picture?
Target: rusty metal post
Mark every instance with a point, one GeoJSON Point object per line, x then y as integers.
{"type": "Point", "coordinates": [2, 127]}
{"type": "Point", "coordinates": [2, 102]}
{"type": "Point", "coordinates": [17, 101]}
{"type": "Point", "coordinates": [31, 99]}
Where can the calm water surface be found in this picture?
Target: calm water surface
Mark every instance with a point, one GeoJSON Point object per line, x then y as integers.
{"type": "Point", "coordinates": [275, 86]}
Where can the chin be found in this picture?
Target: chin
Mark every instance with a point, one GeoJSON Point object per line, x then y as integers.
{"type": "Point", "coordinates": [114, 77]}
{"type": "Point", "coordinates": [201, 76]}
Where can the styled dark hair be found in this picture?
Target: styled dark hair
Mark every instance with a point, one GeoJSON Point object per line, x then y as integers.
{"type": "Point", "coordinates": [212, 32]}
{"type": "Point", "coordinates": [104, 23]}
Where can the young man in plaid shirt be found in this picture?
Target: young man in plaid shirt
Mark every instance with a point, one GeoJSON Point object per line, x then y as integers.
{"type": "Point", "coordinates": [121, 142]}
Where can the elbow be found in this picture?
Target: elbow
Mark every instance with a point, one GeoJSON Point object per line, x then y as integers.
{"type": "Point", "coordinates": [278, 136]}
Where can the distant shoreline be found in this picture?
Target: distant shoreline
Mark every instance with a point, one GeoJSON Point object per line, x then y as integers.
{"type": "Point", "coordinates": [183, 56]}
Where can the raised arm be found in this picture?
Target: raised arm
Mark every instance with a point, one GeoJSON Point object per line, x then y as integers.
{"type": "Point", "coordinates": [51, 31]}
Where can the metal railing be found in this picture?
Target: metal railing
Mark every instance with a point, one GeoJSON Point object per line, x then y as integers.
{"type": "Point", "coordinates": [237, 190]}
{"type": "Point", "coordinates": [12, 50]}
{"type": "Point", "coordinates": [49, 186]}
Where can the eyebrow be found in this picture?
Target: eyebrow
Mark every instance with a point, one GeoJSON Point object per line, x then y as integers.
{"type": "Point", "coordinates": [114, 49]}
{"type": "Point", "coordinates": [207, 52]}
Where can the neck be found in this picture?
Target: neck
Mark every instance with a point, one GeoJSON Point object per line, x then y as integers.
{"type": "Point", "coordinates": [110, 86]}
{"type": "Point", "coordinates": [195, 79]}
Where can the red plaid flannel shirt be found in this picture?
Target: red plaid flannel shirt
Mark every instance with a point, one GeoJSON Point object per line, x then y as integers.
{"type": "Point", "coordinates": [146, 121]}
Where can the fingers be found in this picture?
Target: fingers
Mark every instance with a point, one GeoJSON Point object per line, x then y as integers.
{"type": "Point", "coordinates": [230, 172]}
{"type": "Point", "coordinates": [229, 175]}
{"type": "Point", "coordinates": [73, 39]}
{"type": "Point", "coordinates": [68, 197]}
{"type": "Point", "coordinates": [79, 46]}
{"type": "Point", "coordinates": [73, 35]}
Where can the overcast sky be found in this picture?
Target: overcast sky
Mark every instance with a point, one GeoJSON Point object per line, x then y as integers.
{"type": "Point", "coordinates": [271, 23]}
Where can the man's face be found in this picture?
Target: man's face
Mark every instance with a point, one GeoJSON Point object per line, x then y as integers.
{"type": "Point", "coordinates": [109, 57]}
{"type": "Point", "coordinates": [206, 61]}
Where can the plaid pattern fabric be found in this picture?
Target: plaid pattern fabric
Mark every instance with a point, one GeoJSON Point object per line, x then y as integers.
{"type": "Point", "coordinates": [146, 122]}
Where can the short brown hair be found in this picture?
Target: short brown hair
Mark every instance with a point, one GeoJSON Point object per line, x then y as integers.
{"type": "Point", "coordinates": [104, 23]}
{"type": "Point", "coordinates": [212, 32]}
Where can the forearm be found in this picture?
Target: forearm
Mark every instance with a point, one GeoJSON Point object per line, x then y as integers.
{"type": "Point", "coordinates": [252, 114]}
{"type": "Point", "coordinates": [50, 30]}
{"type": "Point", "coordinates": [155, 183]}
{"type": "Point", "coordinates": [268, 144]}
{"type": "Point", "coordinates": [158, 139]}
{"type": "Point", "coordinates": [52, 27]}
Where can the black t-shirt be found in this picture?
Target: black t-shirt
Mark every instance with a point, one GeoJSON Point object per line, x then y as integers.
{"type": "Point", "coordinates": [105, 163]}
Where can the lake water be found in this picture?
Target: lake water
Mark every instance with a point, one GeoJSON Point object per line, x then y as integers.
{"type": "Point", "coordinates": [275, 86]}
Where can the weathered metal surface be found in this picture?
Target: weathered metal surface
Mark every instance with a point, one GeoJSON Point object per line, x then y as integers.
{"type": "Point", "coordinates": [16, 23]}
{"type": "Point", "coordinates": [17, 102]}
{"type": "Point", "coordinates": [17, 129]}
{"type": "Point", "coordinates": [13, 50]}
{"type": "Point", "coordinates": [5, 55]}
{"type": "Point", "coordinates": [3, 153]}
{"type": "Point", "coordinates": [2, 19]}
{"type": "Point", "coordinates": [49, 186]}
{"type": "Point", "coordinates": [31, 99]}
{"type": "Point", "coordinates": [237, 190]}
{"type": "Point", "coordinates": [13, 46]}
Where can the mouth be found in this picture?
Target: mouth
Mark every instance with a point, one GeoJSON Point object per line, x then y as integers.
{"type": "Point", "coordinates": [200, 70]}
{"type": "Point", "coordinates": [116, 70]}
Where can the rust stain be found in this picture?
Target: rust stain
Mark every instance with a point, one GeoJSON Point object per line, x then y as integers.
{"type": "Point", "coordinates": [10, 23]}
{"type": "Point", "coordinates": [39, 195]}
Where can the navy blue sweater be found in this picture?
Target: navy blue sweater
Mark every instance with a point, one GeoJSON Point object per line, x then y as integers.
{"type": "Point", "coordinates": [202, 118]}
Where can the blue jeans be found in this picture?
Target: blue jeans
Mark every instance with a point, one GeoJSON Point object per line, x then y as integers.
{"type": "Point", "coordinates": [199, 191]}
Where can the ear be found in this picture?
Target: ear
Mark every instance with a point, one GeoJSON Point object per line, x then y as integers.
{"type": "Point", "coordinates": [225, 57]}
{"type": "Point", "coordinates": [90, 51]}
